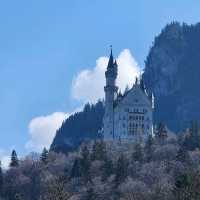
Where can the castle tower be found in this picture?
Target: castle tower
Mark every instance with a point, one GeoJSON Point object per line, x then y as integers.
{"type": "Point", "coordinates": [110, 95]}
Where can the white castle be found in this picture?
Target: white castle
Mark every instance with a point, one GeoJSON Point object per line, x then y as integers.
{"type": "Point", "coordinates": [127, 116]}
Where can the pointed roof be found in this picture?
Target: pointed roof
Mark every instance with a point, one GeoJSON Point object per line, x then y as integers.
{"type": "Point", "coordinates": [136, 81]}
{"type": "Point", "coordinates": [115, 63]}
{"type": "Point", "coordinates": [110, 62]}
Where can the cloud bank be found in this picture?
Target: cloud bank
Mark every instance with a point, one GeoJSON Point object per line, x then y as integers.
{"type": "Point", "coordinates": [42, 130]}
{"type": "Point", "coordinates": [5, 159]}
{"type": "Point", "coordinates": [88, 85]}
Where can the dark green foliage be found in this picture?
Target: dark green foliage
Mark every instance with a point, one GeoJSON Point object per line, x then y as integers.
{"type": "Point", "coordinates": [187, 186]}
{"type": "Point", "coordinates": [107, 169]}
{"type": "Point", "coordinates": [149, 147]}
{"type": "Point", "coordinates": [1, 178]}
{"type": "Point", "coordinates": [192, 140]}
{"type": "Point", "coordinates": [81, 126]}
{"type": "Point", "coordinates": [182, 155]}
{"type": "Point", "coordinates": [14, 159]}
{"type": "Point", "coordinates": [182, 181]}
{"type": "Point", "coordinates": [138, 154]}
{"type": "Point", "coordinates": [85, 163]}
{"type": "Point", "coordinates": [44, 156]}
{"type": "Point", "coordinates": [91, 195]}
{"type": "Point", "coordinates": [18, 197]}
{"type": "Point", "coordinates": [121, 171]}
{"type": "Point", "coordinates": [98, 150]}
{"type": "Point", "coordinates": [161, 133]}
{"type": "Point", "coordinates": [76, 169]}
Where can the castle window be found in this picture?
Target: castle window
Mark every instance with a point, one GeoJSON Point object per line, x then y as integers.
{"type": "Point", "coordinates": [143, 118]}
{"type": "Point", "coordinates": [142, 125]}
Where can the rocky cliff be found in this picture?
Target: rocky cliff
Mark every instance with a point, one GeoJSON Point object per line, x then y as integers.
{"type": "Point", "coordinates": [172, 72]}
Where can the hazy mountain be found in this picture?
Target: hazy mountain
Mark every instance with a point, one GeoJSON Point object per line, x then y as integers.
{"type": "Point", "coordinates": [172, 72]}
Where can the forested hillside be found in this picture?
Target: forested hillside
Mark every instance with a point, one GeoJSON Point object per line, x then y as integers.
{"type": "Point", "coordinates": [79, 127]}
{"type": "Point", "coordinates": [166, 167]}
{"type": "Point", "coordinates": [172, 72]}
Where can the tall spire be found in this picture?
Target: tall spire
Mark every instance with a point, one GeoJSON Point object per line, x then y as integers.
{"type": "Point", "coordinates": [136, 81]}
{"type": "Point", "coordinates": [110, 62]}
{"type": "Point", "coordinates": [115, 63]}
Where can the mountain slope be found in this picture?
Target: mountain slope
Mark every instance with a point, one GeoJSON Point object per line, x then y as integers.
{"type": "Point", "coordinates": [79, 127]}
{"type": "Point", "coordinates": [172, 72]}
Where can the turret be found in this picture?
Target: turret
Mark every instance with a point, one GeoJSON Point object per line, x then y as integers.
{"type": "Point", "coordinates": [111, 76]}
{"type": "Point", "coordinates": [110, 94]}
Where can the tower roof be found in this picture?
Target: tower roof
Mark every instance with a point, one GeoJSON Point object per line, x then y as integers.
{"type": "Point", "coordinates": [115, 63]}
{"type": "Point", "coordinates": [110, 62]}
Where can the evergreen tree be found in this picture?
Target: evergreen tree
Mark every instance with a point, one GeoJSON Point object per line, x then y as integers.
{"type": "Point", "coordinates": [14, 159]}
{"type": "Point", "coordinates": [99, 150]}
{"type": "Point", "coordinates": [121, 172]}
{"type": "Point", "coordinates": [149, 148]}
{"type": "Point", "coordinates": [91, 195]}
{"type": "Point", "coordinates": [192, 141]}
{"type": "Point", "coordinates": [182, 155]}
{"type": "Point", "coordinates": [107, 169]}
{"type": "Point", "coordinates": [76, 169]}
{"type": "Point", "coordinates": [1, 178]}
{"type": "Point", "coordinates": [44, 156]}
{"type": "Point", "coordinates": [138, 154]}
{"type": "Point", "coordinates": [161, 133]}
{"type": "Point", "coordinates": [85, 163]}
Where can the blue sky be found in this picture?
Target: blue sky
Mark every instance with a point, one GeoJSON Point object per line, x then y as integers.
{"type": "Point", "coordinates": [45, 44]}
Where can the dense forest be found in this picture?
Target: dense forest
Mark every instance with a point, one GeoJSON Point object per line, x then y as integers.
{"type": "Point", "coordinates": [165, 167]}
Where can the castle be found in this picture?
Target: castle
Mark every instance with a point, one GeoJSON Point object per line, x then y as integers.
{"type": "Point", "coordinates": [127, 116]}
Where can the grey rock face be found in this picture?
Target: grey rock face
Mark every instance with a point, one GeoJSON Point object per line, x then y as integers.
{"type": "Point", "coordinates": [172, 72]}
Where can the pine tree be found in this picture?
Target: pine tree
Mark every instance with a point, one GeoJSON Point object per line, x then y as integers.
{"type": "Point", "coordinates": [149, 148]}
{"type": "Point", "coordinates": [44, 156]}
{"type": "Point", "coordinates": [14, 159]}
{"type": "Point", "coordinates": [76, 169]}
{"type": "Point", "coordinates": [91, 195]}
{"type": "Point", "coordinates": [161, 133]}
{"type": "Point", "coordinates": [56, 190]}
{"type": "Point", "coordinates": [1, 178]}
{"type": "Point", "coordinates": [98, 150]}
{"type": "Point", "coordinates": [182, 155]}
{"type": "Point", "coordinates": [85, 164]}
{"type": "Point", "coordinates": [138, 154]}
{"type": "Point", "coordinates": [107, 169]}
{"type": "Point", "coordinates": [121, 170]}
{"type": "Point", "coordinates": [194, 132]}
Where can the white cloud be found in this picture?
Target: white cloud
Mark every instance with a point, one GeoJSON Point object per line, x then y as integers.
{"type": "Point", "coordinates": [5, 159]}
{"type": "Point", "coordinates": [42, 130]}
{"type": "Point", "coordinates": [88, 85]}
